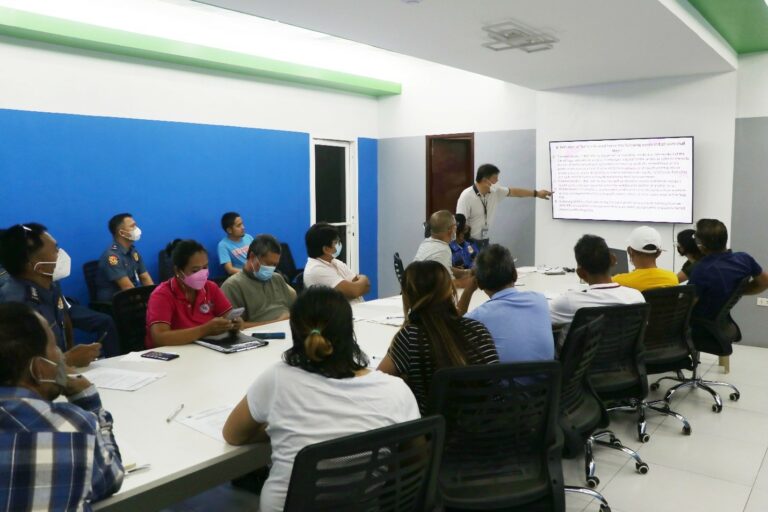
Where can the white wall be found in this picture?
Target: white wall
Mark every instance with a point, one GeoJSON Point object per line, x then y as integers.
{"type": "Point", "coordinates": [753, 85]}
{"type": "Point", "coordinates": [46, 78]}
{"type": "Point", "coordinates": [703, 106]}
{"type": "Point", "coordinates": [438, 99]}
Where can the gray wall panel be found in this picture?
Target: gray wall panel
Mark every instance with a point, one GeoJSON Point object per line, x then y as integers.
{"type": "Point", "coordinates": [750, 209]}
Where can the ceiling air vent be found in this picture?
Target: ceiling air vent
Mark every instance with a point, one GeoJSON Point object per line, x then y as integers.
{"type": "Point", "coordinates": [512, 35]}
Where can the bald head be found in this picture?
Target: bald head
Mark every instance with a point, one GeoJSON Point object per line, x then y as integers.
{"type": "Point", "coordinates": [441, 223]}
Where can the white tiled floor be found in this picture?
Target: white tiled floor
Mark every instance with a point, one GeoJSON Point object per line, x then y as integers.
{"type": "Point", "coordinates": [721, 467]}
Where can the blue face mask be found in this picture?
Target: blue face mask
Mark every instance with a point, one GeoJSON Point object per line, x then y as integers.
{"type": "Point", "coordinates": [264, 273]}
{"type": "Point", "coordinates": [338, 250]}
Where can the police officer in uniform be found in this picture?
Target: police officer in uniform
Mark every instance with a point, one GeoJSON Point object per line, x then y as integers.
{"type": "Point", "coordinates": [121, 266]}
{"type": "Point", "coordinates": [35, 263]}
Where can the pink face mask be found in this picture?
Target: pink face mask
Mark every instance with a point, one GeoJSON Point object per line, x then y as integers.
{"type": "Point", "coordinates": [197, 280]}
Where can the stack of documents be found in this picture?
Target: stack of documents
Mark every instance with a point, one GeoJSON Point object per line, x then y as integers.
{"type": "Point", "coordinates": [121, 380]}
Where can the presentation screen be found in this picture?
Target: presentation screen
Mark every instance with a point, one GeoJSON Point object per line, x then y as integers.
{"type": "Point", "coordinates": [641, 180]}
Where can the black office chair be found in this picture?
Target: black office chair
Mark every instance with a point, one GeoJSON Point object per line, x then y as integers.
{"type": "Point", "coordinates": [399, 269]}
{"type": "Point", "coordinates": [583, 416]}
{"type": "Point", "coordinates": [713, 337]}
{"type": "Point", "coordinates": [219, 280]}
{"type": "Point", "coordinates": [298, 282]}
{"type": "Point", "coordinates": [502, 444]}
{"type": "Point", "coordinates": [388, 469]}
{"type": "Point", "coordinates": [287, 265]}
{"type": "Point", "coordinates": [90, 269]}
{"type": "Point", "coordinates": [164, 265]}
{"type": "Point", "coordinates": [622, 261]}
{"type": "Point", "coordinates": [130, 308]}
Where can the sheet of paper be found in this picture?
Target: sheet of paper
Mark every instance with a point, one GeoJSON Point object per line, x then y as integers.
{"type": "Point", "coordinates": [121, 380]}
{"type": "Point", "coordinates": [208, 422]}
{"type": "Point", "coordinates": [526, 270]}
{"type": "Point", "coordinates": [393, 320]}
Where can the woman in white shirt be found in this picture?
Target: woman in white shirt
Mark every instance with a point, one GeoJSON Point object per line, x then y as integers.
{"type": "Point", "coordinates": [321, 390]}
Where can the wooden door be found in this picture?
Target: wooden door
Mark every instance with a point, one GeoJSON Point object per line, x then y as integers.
{"type": "Point", "coordinates": [450, 169]}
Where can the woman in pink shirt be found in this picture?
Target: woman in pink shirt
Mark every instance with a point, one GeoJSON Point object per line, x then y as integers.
{"type": "Point", "coordinates": [188, 306]}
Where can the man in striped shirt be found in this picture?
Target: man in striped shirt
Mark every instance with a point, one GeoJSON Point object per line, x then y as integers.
{"type": "Point", "coordinates": [53, 455]}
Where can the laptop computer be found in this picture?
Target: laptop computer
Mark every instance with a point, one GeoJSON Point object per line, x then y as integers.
{"type": "Point", "coordinates": [228, 343]}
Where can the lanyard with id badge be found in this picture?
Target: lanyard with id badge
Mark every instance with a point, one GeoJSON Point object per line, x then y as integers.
{"type": "Point", "coordinates": [484, 202]}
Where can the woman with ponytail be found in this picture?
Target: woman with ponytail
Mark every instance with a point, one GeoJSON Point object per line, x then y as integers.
{"type": "Point", "coordinates": [434, 335]}
{"type": "Point", "coordinates": [321, 390]}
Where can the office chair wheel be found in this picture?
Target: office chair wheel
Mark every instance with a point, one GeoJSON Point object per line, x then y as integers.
{"type": "Point", "coordinates": [605, 508]}
{"type": "Point", "coordinates": [593, 482]}
{"type": "Point", "coordinates": [654, 386]}
{"type": "Point", "coordinates": [686, 430]}
{"type": "Point", "coordinates": [641, 467]}
{"type": "Point", "coordinates": [735, 396]}
{"type": "Point", "coordinates": [644, 438]}
{"type": "Point", "coordinates": [717, 408]}
{"type": "Point", "coordinates": [615, 442]}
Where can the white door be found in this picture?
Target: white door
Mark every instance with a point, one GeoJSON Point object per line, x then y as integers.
{"type": "Point", "coordinates": [333, 192]}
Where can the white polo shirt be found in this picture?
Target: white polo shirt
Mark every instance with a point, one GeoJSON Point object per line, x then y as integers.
{"type": "Point", "coordinates": [330, 274]}
{"type": "Point", "coordinates": [432, 249]}
{"type": "Point", "coordinates": [564, 307]}
{"type": "Point", "coordinates": [479, 209]}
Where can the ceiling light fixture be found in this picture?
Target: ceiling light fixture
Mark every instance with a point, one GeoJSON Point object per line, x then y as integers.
{"type": "Point", "coordinates": [513, 35]}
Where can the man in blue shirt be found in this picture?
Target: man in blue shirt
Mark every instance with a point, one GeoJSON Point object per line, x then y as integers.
{"type": "Point", "coordinates": [121, 267]}
{"type": "Point", "coordinates": [718, 273]}
{"type": "Point", "coordinates": [463, 249]}
{"type": "Point", "coordinates": [35, 263]}
{"type": "Point", "coordinates": [233, 249]}
{"type": "Point", "coordinates": [518, 321]}
{"type": "Point", "coordinates": [53, 455]}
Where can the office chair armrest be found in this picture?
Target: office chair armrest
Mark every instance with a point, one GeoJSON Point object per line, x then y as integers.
{"type": "Point", "coordinates": [101, 307]}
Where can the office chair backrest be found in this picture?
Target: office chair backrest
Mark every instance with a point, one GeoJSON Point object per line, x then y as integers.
{"type": "Point", "coordinates": [668, 329]}
{"type": "Point", "coordinates": [287, 265]}
{"type": "Point", "coordinates": [130, 313]}
{"type": "Point", "coordinates": [298, 282]}
{"type": "Point", "coordinates": [388, 469]}
{"type": "Point", "coordinates": [580, 408]}
{"type": "Point", "coordinates": [399, 269]}
{"type": "Point", "coordinates": [501, 423]}
{"type": "Point", "coordinates": [90, 269]}
{"type": "Point", "coordinates": [717, 336]}
{"type": "Point", "coordinates": [619, 358]}
{"type": "Point", "coordinates": [164, 266]}
{"type": "Point", "coordinates": [622, 261]}
{"type": "Point", "coordinates": [219, 280]}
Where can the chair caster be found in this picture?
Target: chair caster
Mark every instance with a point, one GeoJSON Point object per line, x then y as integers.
{"type": "Point", "coordinates": [605, 508]}
{"type": "Point", "coordinates": [644, 438]}
{"type": "Point", "coordinates": [641, 467]}
{"type": "Point", "coordinates": [717, 408]}
{"type": "Point", "coordinates": [686, 430]}
{"type": "Point", "coordinates": [735, 396]}
{"type": "Point", "coordinates": [615, 442]}
{"type": "Point", "coordinates": [593, 482]}
{"type": "Point", "coordinates": [654, 386]}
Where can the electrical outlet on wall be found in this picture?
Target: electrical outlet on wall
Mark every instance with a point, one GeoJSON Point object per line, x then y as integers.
{"type": "Point", "coordinates": [762, 301]}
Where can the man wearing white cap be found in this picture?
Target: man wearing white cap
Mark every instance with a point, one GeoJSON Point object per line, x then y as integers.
{"type": "Point", "coordinates": [644, 248]}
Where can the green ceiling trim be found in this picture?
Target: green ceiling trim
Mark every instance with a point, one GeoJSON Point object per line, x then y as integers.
{"type": "Point", "coordinates": [26, 25]}
{"type": "Point", "coordinates": [743, 23]}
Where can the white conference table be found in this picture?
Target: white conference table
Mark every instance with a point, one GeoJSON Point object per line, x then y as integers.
{"type": "Point", "coordinates": [183, 461]}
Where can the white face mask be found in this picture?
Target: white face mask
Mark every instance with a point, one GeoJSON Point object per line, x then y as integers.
{"type": "Point", "coordinates": [133, 235]}
{"type": "Point", "coordinates": [62, 266]}
{"type": "Point", "coordinates": [61, 376]}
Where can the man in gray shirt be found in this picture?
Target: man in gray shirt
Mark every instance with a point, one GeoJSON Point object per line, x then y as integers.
{"type": "Point", "coordinates": [442, 226]}
{"type": "Point", "coordinates": [263, 292]}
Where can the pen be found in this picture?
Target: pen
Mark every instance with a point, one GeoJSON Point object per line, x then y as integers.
{"type": "Point", "coordinates": [393, 317]}
{"type": "Point", "coordinates": [174, 413]}
{"type": "Point", "coordinates": [131, 468]}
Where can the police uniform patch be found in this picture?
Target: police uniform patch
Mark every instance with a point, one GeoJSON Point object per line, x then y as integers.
{"type": "Point", "coordinates": [135, 256]}
{"type": "Point", "coordinates": [113, 260]}
{"type": "Point", "coordinates": [61, 303]}
{"type": "Point", "coordinates": [205, 308]}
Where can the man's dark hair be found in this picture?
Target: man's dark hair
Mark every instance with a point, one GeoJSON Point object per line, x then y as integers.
{"type": "Point", "coordinates": [495, 268]}
{"type": "Point", "coordinates": [17, 243]}
{"type": "Point", "coordinates": [228, 220]}
{"type": "Point", "coordinates": [712, 234]}
{"type": "Point", "coordinates": [22, 337]}
{"type": "Point", "coordinates": [486, 171]}
{"type": "Point", "coordinates": [592, 255]}
{"type": "Point", "coordinates": [264, 244]}
{"type": "Point", "coordinates": [182, 250]}
{"type": "Point", "coordinates": [318, 236]}
{"type": "Point", "coordinates": [461, 222]}
{"type": "Point", "coordinates": [687, 243]}
{"type": "Point", "coordinates": [323, 335]}
{"type": "Point", "coordinates": [116, 221]}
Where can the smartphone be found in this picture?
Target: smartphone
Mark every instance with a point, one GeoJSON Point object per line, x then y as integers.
{"type": "Point", "coordinates": [162, 356]}
{"type": "Point", "coordinates": [234, 313]}
{"type": "Point", "coordinates": [269, 335]}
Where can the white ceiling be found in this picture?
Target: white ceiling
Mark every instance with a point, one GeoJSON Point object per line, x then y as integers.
{"type": "Point", "coordinates": [600, 40]}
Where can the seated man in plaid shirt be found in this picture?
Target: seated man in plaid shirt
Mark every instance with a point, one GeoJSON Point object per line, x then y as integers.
{"type": "Point", "coordinates": [53, 455]}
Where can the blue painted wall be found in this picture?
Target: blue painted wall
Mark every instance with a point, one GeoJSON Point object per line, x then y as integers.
{"type": "Point", "coordinates": [73, 172]}
{"type": "Point", "coordinates": [368, 208]}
